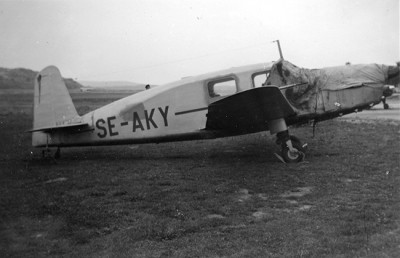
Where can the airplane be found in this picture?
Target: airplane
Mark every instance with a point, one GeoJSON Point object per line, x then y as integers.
{"type": "Point", "coordinates": [240, 100]}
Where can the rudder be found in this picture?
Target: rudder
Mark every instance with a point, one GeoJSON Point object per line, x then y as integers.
{"type": "Point", "coordinates": [53, 106]}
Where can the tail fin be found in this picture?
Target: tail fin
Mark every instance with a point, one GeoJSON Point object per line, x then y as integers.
{"type": "Point", "coordinates": [53, 108]}
{"type": "Point", "coordinates": [53, 105]}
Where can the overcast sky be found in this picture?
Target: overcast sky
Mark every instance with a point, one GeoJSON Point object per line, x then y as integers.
{"type": "Point", "coordinates": [157, 41]}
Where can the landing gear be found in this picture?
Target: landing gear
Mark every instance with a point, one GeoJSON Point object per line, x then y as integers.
{"type": "Point", "coordinates": [293, 151]}
{"type": "Point", "coordinates": [45, 153]}
{"type": "Point", "coordinates": [385, 105]}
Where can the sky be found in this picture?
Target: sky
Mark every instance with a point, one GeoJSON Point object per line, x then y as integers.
{"type": "Point", "coordinates": [158, 41]}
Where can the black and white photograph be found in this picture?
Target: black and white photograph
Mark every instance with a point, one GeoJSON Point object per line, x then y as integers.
{"type": "Point", "coordinates": [199, 128]}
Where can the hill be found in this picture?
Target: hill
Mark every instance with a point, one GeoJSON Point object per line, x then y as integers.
{"type": "Point", "coordinates": [21, 78]}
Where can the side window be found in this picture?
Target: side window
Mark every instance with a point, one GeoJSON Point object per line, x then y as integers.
{"type": "Point", "coordinates": [259, 79]}
{"type": "Point", "coordinates": [222, 87]}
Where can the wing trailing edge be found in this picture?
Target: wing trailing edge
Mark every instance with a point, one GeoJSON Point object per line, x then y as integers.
{"type": "Point", "coordinates": [248, 111]}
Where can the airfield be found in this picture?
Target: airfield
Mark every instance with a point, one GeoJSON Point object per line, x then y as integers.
{"type": "Point", "coordinates": [228, 197]}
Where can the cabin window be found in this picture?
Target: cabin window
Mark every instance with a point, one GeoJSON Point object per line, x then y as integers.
{"type": "Point", "coordinates": [259, 79]}
{"type": "Point", "coordinates": [222, 88]}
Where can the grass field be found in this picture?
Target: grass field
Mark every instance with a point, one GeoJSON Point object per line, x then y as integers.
{"type": "Point", "coordinates": [227, 197]}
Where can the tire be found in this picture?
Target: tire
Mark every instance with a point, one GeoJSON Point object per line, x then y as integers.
{"type": "Point", "coordinates": [293, 157]}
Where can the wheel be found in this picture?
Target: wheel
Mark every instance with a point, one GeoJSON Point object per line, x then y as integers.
{"type": "Point", "coordinates": [386, 106]}
{"type": "Point", "coordinates": [293, 156]}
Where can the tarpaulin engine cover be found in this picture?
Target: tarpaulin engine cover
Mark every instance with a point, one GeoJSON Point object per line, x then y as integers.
{"type": "Point", "coordinates": [328, 89]}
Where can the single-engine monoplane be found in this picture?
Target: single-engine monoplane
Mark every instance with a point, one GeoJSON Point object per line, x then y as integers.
{"type": "Point", "coordinates": [240, 100]}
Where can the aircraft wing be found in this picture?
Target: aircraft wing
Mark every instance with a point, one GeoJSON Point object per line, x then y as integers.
{"type": "Point", "coordinates": [248, 111]}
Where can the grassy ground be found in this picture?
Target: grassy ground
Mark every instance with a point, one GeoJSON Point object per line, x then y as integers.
{"type": "Point", "coordinates": [220, 198]}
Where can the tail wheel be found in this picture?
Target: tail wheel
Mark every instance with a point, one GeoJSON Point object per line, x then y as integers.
{"type": "Point", "coordinates": [57, 155]}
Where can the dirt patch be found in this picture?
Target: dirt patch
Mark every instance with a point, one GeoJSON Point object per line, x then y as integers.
{"type": "Point", "coordinates": [244, 195]}
{"type": "Point", "coordinates": [215, 216]}
{"type": "Point", "coordinates": [297, 192]}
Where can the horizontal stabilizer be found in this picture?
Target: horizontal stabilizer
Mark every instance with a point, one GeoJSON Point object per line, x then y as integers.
{"type": "Point", "coordinates": [69, 127]}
